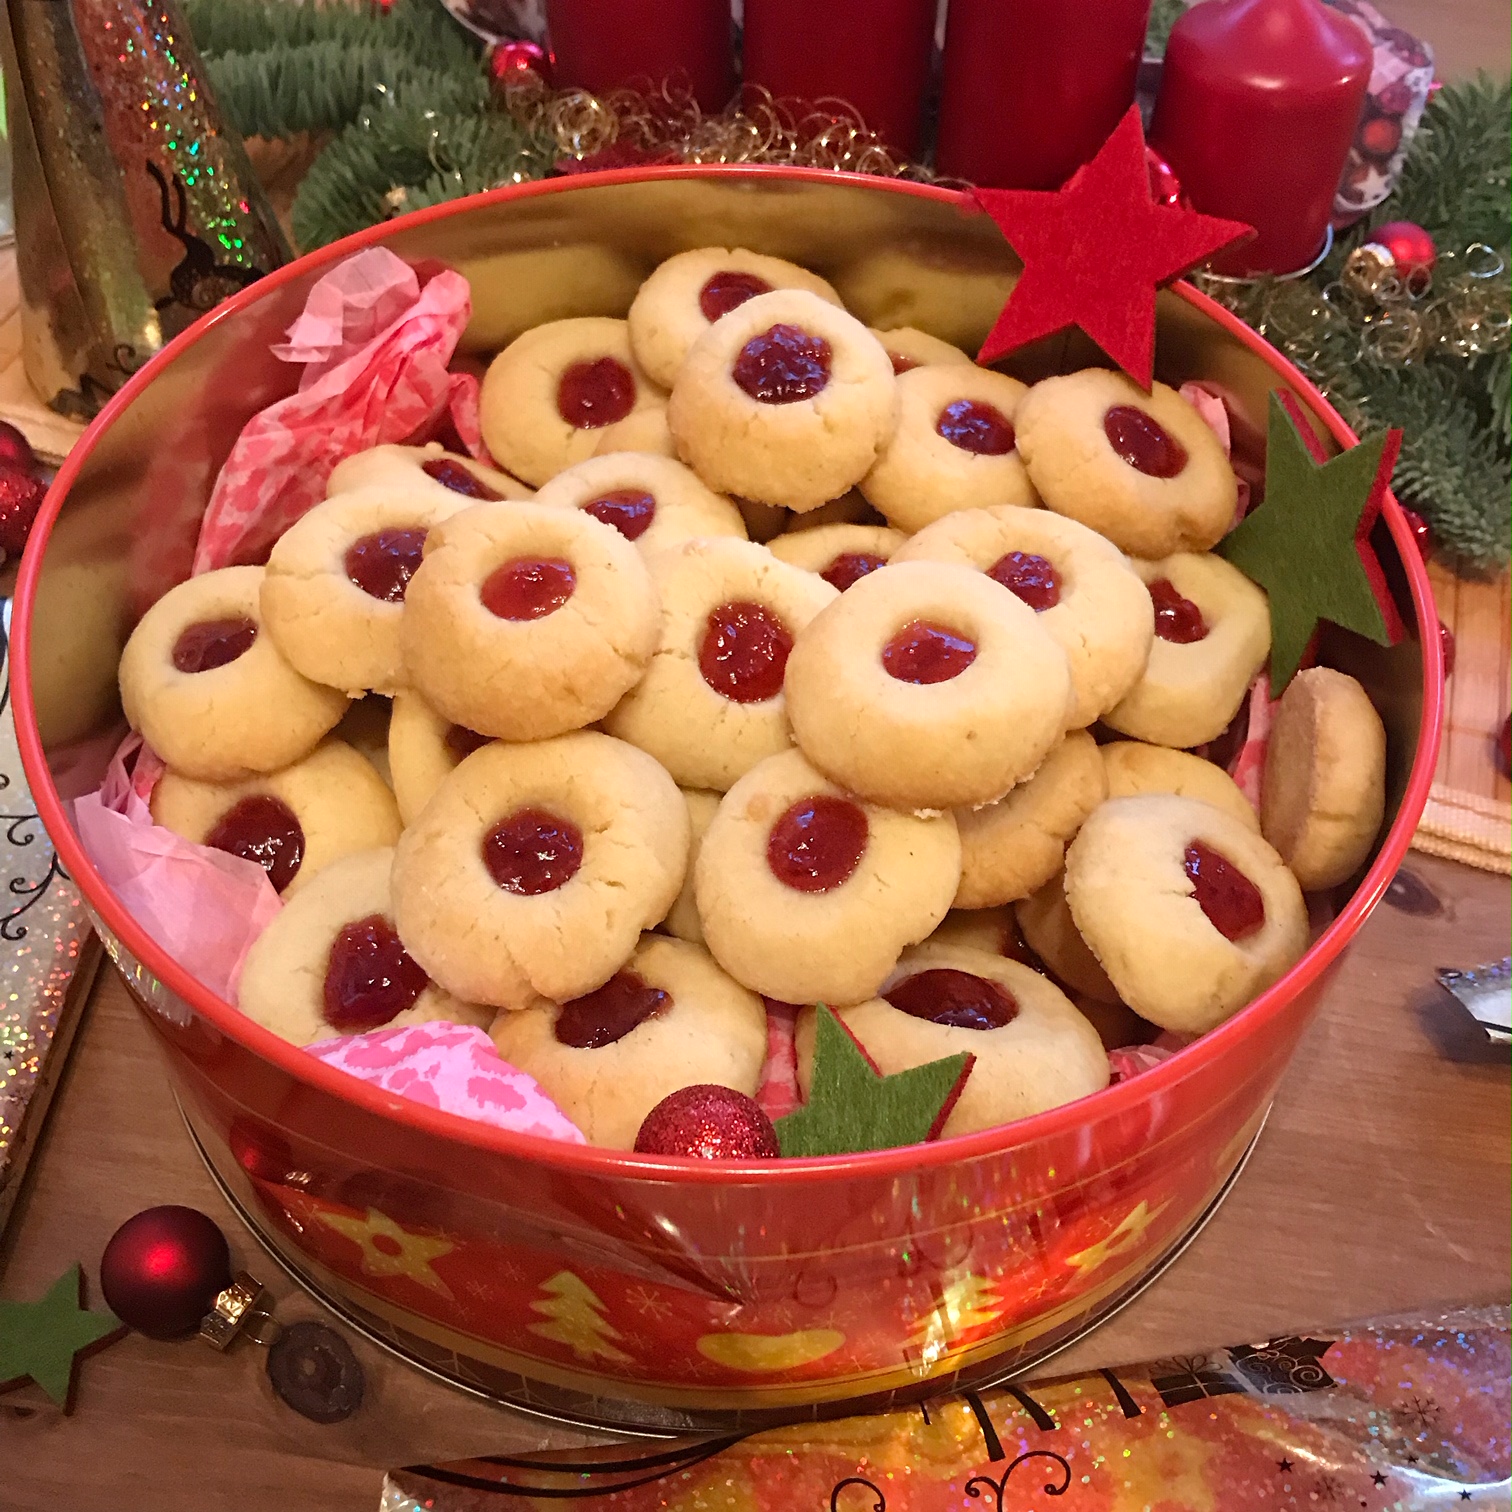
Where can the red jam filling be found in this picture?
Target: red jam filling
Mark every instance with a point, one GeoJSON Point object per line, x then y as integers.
{"type": "Point", "coordinates": [817, 844]}
{"type": "Point", "coordinates": [459, 479]}
{"type": "Point", "coordinates": [1143, 442]}
{"type": "Point", "coordinates": [382, 564]}
{"type": "Point", "coordinates": [723, 292]}
{"type": "Point", "coordinates": [533, 852]}
{"type": "Point", "coordinates": [850, 567]}
{"type": "Point", "coordinates": [263, 829]}
{"type": "Point", "coordinates": [956, 999]}
{"type": "Point", "coordinates": [591, 395]}
{"type": "Point", "coordinates": [623, 1003]}
{"type": "Point", "coordinates": [976, 427]}
{"type": "Point", "coordinates": [370, 978]}
{"type": "Point", "coordinates": [900, 363]}
{"type": "Point", "coordinates": [212, 643]}
{"type": "Point", "coordinates": [1031, 577]}
{"type": "Point", "coordinates": [462, 742]}
{"type": "Point", "coordinates": [528, 588]}
{"type": "Point", "coordinates": [1230, 900]}
{"type": "Point", "coordinates": [1177, 619]}
{"type": "Point", "coordinates": [629, 510]}
{"type": "Point", "coordinates": [783, 365]}
{"type": "Point", "coordinates": [925, 653]}
{"type": "Point", "coordinates": [744, 652]}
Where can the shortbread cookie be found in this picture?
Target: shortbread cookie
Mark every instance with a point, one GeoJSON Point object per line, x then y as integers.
{"type": "Point", "coordinates": [332, 963]}
{"type": "Point", "coordinates": [787, 400]}
{"type": "Point", "coordinates": [293, 823]}
{"type": "Point", "coordinates": [924, 685]}
{"type": "Point", "coordinates": [1189, 911]}
{"type": "Point", "coordinates": [208, 688]}
{"type": "Point", "coordinates": [850, 508]}
{"type": "Point", "coordinates": [1132, 768]}
{"type": "Point", "coordinates": [1324, 793]}
{"type": "Point", "coordinates": [334, 591]}
{"type": "Point", "coordinates": [692, 290]}
{"type": "Point", "coordinates": [1212, 635]}
{"type": "Point", "coordinates": [840, 554]}
{"type": "Point", "coordinates": [908, 348]}
{"type": "Point", "coordinates": [711, 704]}
{"type": "Point", "coordinates": [526, 621]}
{"type": "Point", "coordinates": [994, 930]}
{"type": "Point", "coordinates": [550, 393]}
{"type": "Point", "coordinates": [1142, 469]}
{"type": "Point", "coordinates": [1033, 1050]}
{"type": "Point", "coordinates": [652, 501]}
{"type": "Point", "coordinates": [807, 895]}
{"type": "Point", "coordinates": [668, 1019]}
{"type": "Point", "coordinates": [643, 431]}
{"type": "Point", "coordinates": [1084, 589]}
{"type": "Point", "coordinates": [953, 448]}
{"type": "Point", "coordinates": [533, 869]}
{"type": "Point", "coordinates": [424, 748]}
{"type": "Point", "coordinates": [365, 727]}
{"type": "Point", "coordinates": [682, 919]}
{"type": "Point", "coordinates": [1047, 928]}
{"type": "Point", "coordinates": [428, 471]}
{"type": "Point", "coordinates": [1011, 848]}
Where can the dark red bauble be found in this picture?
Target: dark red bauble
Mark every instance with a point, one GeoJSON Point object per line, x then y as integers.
{"type": "Point", "coordinates": [1422, 532]}
{"type": "Point", "coordinates": [20, 498]}
{"type": "Point", "coordinates": [15, 449]}
{"type": "Point", "coordinates": [709, 1123]}
{"type": "Point", "coordinates": [513, 63]}
{"type": "Point", "coordinates": [1504, 748]}
{"type": "Point", "coordinates": [1165, 187]}
{"type": "Point", "coordinates": [1411, 249]}
{"type": "Point", "coordinates": [162, 1270]}
{"type": "Point", "coordinates": [1446, 645]}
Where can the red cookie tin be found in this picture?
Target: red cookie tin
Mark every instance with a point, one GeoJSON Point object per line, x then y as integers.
{"type": "Point", "coordinates": [645, 1292]}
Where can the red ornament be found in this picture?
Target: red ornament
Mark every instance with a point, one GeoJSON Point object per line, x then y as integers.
{"type": "Point", "coordinates": [1504, 748]}
{"type": "Point", "coordinates": [15, 449]}
{"type": "Point", "coordinates": [21, 497]}
{"type": "Point", "coordinates": [1165, 187]}
{"type": "Point", "coordinates": [511, 63]}
{"type": "Point", "coordinates": [163, 1269]}
{"type": "Point", "coordinates": [1422, 532]}
{"type": "Point", "coordinates": [1411, 251]}
{"type": "Point", "coordinates": [1446, 648]}
{"type": "Point", "coordinates": [709, 1123]}
{"type": "Point", "coordinates": [1094, 253]}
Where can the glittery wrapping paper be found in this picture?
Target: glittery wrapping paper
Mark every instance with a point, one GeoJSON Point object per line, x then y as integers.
{"type": "Point", "coordinates": [47, 956]}
{"type": "Point", "coordinates": [1396, 1415]}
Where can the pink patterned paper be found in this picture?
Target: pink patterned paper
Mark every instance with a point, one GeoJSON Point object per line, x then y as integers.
{"type": "Point", "coordinates": [453, 1067]}
{"type": "Point", "coordinates": [203, 906]}
{"type": "Point", "coordinates": [1215, 414]}
{"type": "Point", "coordinates": [1248, 766]}
{"type": "Point", "coordinates": [393, 387]}
{"type": "Point", "coordinates": [778, 1093]}
{"type": "Point", "coordinates": [1132, 1060]}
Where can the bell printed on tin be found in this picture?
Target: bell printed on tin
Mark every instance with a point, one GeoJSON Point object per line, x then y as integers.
{"type": "Point", "coordinates": [136, 207]}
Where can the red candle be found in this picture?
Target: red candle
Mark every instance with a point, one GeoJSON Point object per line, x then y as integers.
{"type": "Point", "coordinates": [873, 54]}
{"type": "Point", "coordinates": [1258, 103]}
{"type": "Point", "coordinates": [613, 44]}
{"type": "Point", "coordinates": [1033, 87]}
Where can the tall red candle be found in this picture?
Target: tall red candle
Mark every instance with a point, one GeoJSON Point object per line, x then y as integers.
{"type": "Point", "coordinates": [1258, 103]}
{"type": "Point", "coordinates": [1032, 88]}
{"type": "Point", "coordinates": [873, 54]}
{"type": "Point", "coordinates": [611, 44]}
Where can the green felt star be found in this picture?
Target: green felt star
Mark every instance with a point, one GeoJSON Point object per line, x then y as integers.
{"type": "Point", "coordinates": [41, 1339]}
{"type": "Point", "coordinates": [853, 1107]}
{"type": "Point", "coordinates": [1308, 544]}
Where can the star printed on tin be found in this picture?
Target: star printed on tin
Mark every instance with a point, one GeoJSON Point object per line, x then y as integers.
{"type": "Point", "coordinates": [1095, 251]}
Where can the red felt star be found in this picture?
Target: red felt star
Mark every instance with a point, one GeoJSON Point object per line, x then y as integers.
{"type": "Point", "coordinates": [1095, 251]}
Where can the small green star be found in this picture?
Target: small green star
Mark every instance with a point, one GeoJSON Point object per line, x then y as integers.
{"type": "Point", "coordinates": [42, 1339]}
{"type": "Point", "coordinates": [852, 1106]}
{"type": "Point", "coordinates": [1307, 545]}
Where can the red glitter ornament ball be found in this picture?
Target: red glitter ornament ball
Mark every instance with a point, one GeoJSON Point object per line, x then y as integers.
{"type": "Point", "coordinates": [162, 1270]}
{"type": "Point", "coordinates": [1422, 532]}
{"type": "Point", "coordinates": [1446, 645]}
{"type": "Point", "coordinates": [15, 449]}
{"type": "Point", "coordinates": [709, 1123]}
{"type": "Point", "coordinates": [1411, 250]}
{"type": "Point", "coordinates": [20, 499]}
{"type": "Point", "coordinates": [511, 63]}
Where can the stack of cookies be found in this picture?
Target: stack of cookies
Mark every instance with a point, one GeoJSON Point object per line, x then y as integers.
{"type": "Point", "coordinates": [776, 658]}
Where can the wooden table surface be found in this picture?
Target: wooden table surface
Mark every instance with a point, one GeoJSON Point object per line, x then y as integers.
{"type": "Point", "coordinates": [1380, 1184]}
